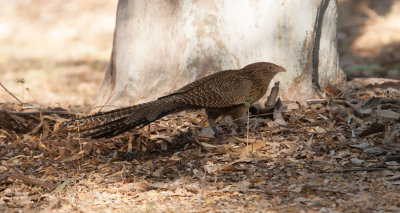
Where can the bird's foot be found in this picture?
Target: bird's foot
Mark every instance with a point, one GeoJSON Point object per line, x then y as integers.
{"type": "Point", "coordinates": [238, 131]}
{"type": "Point", "coordinates": [218, 137]}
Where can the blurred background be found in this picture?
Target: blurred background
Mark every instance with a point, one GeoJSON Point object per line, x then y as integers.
{"type": "Point", "coordinates": [55, 53]}
{"type": "Point", "coordinates": [369, 38]}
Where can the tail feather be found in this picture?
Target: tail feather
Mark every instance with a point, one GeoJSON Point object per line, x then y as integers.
{"type": "Point", "coordinates": [108, 127]}
{"type": "Point", "coordinates": [104, 117]}
{"type": "Point", "coordinates": [115, 122]}
{"type": "Point", "coordinates": [114, 131]}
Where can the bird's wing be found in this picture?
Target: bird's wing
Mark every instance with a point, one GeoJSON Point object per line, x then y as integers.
{"type": "Point", "coordinates": [217, 91]}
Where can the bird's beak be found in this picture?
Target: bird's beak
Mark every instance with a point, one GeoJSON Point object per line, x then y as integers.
{"type": "Point", "coordinates": [280, 69]}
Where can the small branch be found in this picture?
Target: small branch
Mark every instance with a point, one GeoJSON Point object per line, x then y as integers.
{"type": "Point", "coordinates": [369, 12]}
{"type": "Point", "coordinates": [316, 101]}
{"type": "Point", "coordinates": [249, 141]}
{"type": "Point", "coordinates": [29, 181]}
{"type": "Point", "coordinates": [369, 169]}
{"type": "Point", "coordinates": [392, 158]}
{"type": "Point", "coordinates": [64, 184]}
{"type": "Point", "coordinates": [277, 115]}
{"type": "Point", "coordinates": [14, 118]}
{"type": "Point", "coordinates": [45, 112]}
{"type": "Point", "coordinates": [5, 89]}
{"type": "Point", "coordinates": [271, 100]}
{"type": "Point", "coordinates": [247, 131]}
{"type": "Point", "coordinates": [360, 112]}
{"type": "Point", "coordinates": [372, 129]}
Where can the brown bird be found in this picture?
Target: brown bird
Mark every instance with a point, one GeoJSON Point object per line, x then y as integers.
{"type": "Point", "coordinates": [225, 93]}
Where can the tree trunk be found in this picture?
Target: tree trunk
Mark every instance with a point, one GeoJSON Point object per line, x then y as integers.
{"type": "Point", "coordinates": [159, 46]}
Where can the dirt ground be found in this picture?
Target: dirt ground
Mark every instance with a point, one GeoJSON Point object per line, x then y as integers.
{"type": "Point", "coordinates": [340, 153]}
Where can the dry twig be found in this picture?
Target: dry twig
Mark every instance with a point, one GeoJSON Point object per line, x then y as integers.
{"type": "Point", "coordinates": [28, 180]}
{"type": "Point", "coordinates": [45, 112]}
{"type": "Point", "coordinates": [368, 169]}
{"type": "Point", "coordinates": [5, 89]}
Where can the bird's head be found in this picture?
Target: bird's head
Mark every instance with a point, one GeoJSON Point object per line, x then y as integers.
{"type": "Point", "coordinates": [265, 67]}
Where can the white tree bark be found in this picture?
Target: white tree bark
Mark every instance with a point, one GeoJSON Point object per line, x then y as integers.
{"type": "Point", "coordinates": [161, 45]}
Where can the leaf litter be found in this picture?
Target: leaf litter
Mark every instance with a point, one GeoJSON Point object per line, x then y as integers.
{"type": "Point", "coordinates": [338, 153]}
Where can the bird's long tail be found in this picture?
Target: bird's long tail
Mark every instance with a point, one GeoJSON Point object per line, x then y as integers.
{"type": "Point", "coordinates": [115, 122]}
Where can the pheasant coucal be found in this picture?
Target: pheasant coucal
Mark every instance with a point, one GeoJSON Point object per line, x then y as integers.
{"type": "Point", "coordinates": [225, 93]}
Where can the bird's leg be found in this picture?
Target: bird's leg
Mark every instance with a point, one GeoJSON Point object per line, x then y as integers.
{"type": "Point", "coordinates": [237, 115]}
{"type": "Point", "coordinates": [238, 124]}
{"type": "Point", "coordinates": [218, 136]}
{"type": "Point", "coordinates": [211, 117]}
